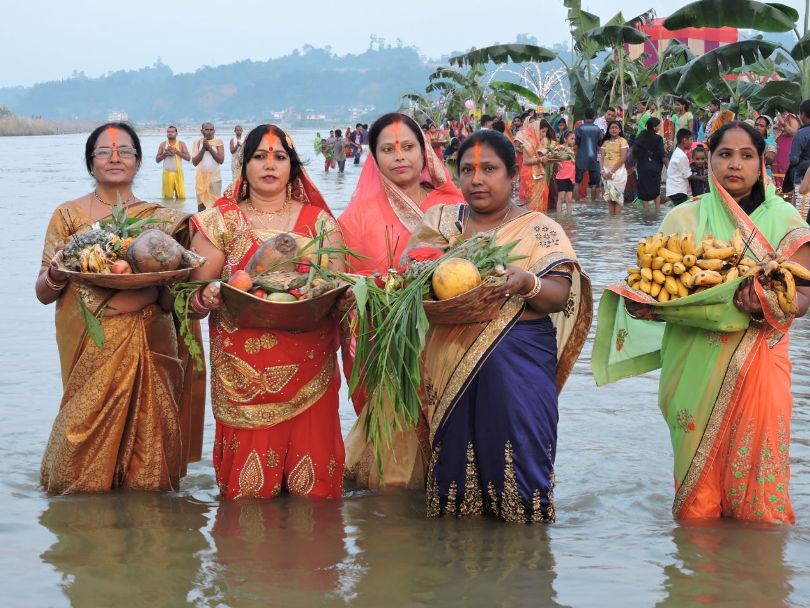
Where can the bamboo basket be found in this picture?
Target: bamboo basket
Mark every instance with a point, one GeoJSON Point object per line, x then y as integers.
{"type": "Point", "coordinates": [468, 307]}
{"type": "Point", "coordinates": [124, 281]}
{"type": "Point", "coordinates": [248, 310]}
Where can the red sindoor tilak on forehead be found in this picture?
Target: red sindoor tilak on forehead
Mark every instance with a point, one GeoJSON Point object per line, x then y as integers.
{"type": "Point", "coordinates": [272, 141]}
{"type": "Point", "coordinates": [395, 126]}
{"type": "Point", "coordinates": [113, 135]}
{"type": "Point", "coordinates": [476, 159]}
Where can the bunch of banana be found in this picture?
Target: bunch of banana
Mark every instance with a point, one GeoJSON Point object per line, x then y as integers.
{"type": "Point", "coordinates": [93, 259]}
{"type": "Point", "coordinates": [672, 267]}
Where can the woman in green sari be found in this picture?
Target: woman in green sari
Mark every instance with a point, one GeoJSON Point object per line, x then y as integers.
{"type": "Point", "coordinates": [724, 394]}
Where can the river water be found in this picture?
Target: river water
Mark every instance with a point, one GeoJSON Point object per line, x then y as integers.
{"type": "Point", "coordinates": [614, 543]}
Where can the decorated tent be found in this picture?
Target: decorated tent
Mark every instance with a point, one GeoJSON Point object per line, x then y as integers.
{"type": "Point", "coordinates": [699, 39]}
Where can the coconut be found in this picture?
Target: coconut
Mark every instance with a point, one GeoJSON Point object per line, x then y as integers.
{"type": "Point", "coordinates": [154, 251]}
{"type": "Point", "coordinates": [453, 277]}
{"type": "Point", "coordinates": [276, 254]}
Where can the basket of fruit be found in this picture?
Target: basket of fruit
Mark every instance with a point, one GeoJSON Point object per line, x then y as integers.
{"type": "Point", "coordinates": [277, 291]}
{"type": "Point", "coordinates": [126, 253]}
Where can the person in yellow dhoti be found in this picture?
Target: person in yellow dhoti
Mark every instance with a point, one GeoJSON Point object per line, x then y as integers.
{"type": "Point", "coordinates": [172, 152]}
{"type": "Point", "coordinates": [208, 154]}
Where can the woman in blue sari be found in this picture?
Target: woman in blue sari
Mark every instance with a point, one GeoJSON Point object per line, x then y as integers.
{"type": "Point", "coordinates": [490, 389]}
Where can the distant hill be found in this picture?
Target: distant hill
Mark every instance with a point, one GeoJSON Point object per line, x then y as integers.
{"type": "Point", "coordinates": [311, 80]}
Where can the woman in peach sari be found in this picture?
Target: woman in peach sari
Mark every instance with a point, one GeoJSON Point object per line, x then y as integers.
{"type": "Point", "coordinates": [534, 144]}
{"type": "Point", "coordinates": [401, 180]}
{"type": "Point", "coordinates": [724, 394]}
{"type": "Point", "coordinates": [132, 411]}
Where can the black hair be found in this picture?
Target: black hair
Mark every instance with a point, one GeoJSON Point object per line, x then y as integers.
{"type": "Point", "coordinates": [499, 125]}
{"type": "Point", "coordinates": [606, 137]}
{"type": "Point", "coordinates": [649, 140]}
{"type": "Point", "coordinates": [564, 135]}
{"type": "Point", "coordinates": [499, 144]}
{"type": "Point", "coordinates": [338, 133]}
{"type": "Point", "coordinates": [590, 113]}
{"type": "Point", "coordinates": [682, 135]}
{"type": "Point", "coordinates": [765, 118]}
{"type": "Point", "coordinates": [486, 118]}
{"type": "Point", "coordinates": [699, 148]}
{"type": "Point", "coordinates": [388, 119]}
{"type": "Point", "coordinates": [90, 146]}
{"type": "Point", "coordinates": [171, 127]}
{"type": "Point", "coordinates": [652, 123]}
{"type": "Point", "coordinates": [682, 101]}
{"type": "Point", "coordinates": [250, 146]}
{"type": "Point", "coordinates": [758, 191]}
{"type": "Point", "coordinates": [358, 125]}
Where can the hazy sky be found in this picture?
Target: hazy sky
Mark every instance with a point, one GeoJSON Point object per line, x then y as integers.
{"type": "Point", "coordinates": [49, 39]}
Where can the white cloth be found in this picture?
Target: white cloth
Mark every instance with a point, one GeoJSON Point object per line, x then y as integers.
{"type": "Point", "coordinates": [601, 122]}
{"type": "Point", "coordinates": [678, 173]}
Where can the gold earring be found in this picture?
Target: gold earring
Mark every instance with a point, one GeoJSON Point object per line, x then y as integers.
{"type": "Point", "coordinates": [289, 190]}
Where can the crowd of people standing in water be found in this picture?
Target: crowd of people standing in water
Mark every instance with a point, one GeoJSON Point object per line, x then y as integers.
{"type": "Point", "coordinates": [486, 439]}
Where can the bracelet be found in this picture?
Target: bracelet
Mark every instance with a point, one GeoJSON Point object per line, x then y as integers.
{"type": "Point", "coordinates": [53, 284]}
{"type": "Point", "coordinates": [197, 304]}
{"type": "Point", "coordinates": [538, 285]}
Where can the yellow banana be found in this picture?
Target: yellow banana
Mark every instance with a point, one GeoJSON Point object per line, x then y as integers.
{"type": "Point", "coordinates": [657, 262]}
{"type": "Point", "coordinates": [671, 285]}
{"type": "Point", "coordinates": [687, 244]}
{"type": "Point", "coordinates": [714, 253]}
{"type": "Point", "coordinates": [655, 289]}
{"type": "Point", "coordinates": [707, 278]}
{"type": "Point", "coordinates": [678, 268]}
{"type": "Point", "coordinates": [658, 277]}
{"type": "Point", "coordinates": [710, 264]}
{"type": "Point", "coordinates": [669, 256]}
{"type": "Point", "coordinates": [633, 270]}
{"type": "Point", "coordinates": [646, 260]}
{"type": "Point", "coordinates": [647, 273]}
{"type": "Point", "coordinates": [737, 242]}
{"type": "Point", "coordinates": [796, 269]}
{"type": "Point", "coordinates": [732, 275]}
{"type": "Point", "coordinates": [663, 296]}
{"type": "Point", "coordinates": [667, 268]}
{"type": "Point", "coordinates": [689, 260]}
{"type": "Point", "coordinates": [748, 262]}
{"type": "Point", "coordinates": [686, 279]}
{"type": "Point", "coordinates": [641, 248]}
{"type": "Point", "coordinates": [790, 286]}
{"type": "Point", "coordinates": [788, 307]}
{"type": "Point", "coordinates": [645, 286]}
{"type": "Point", "coordinates": [682, 290]}
{"type": "Point", "coordinates": [674, 244]}
{"type": "Point", "coordinates": [770, 267]}
{"type": "Point", "coordinates": [694, 270]}
{"type": "Point", "coordinates": [634, 283]}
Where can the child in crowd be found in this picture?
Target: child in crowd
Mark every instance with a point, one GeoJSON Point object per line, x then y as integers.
{"type": "Point", "coordinates": [566, 174]}
{"type": "Point", "coordinates": [699, 180]}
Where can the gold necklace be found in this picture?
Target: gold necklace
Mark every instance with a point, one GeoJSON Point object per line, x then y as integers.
{"type": "Point", "coordinates": [503, 220]}
{"type": "Point", "coordinates": [103, 202]}
{"type": "Point", "coordinates": [278, 211]}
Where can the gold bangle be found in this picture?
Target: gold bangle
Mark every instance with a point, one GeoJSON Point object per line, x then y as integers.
{"type": "Point", "coordinates": [538, 285]}
{"type": "Point", "coordinates": [53, 285]}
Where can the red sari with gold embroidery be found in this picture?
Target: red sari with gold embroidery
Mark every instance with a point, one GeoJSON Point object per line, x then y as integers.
{"type": "Point", "coordinates": [274, 393]}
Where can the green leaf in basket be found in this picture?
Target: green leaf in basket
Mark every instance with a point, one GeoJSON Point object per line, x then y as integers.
{"type": "Point", "coordinates": [93, 324]}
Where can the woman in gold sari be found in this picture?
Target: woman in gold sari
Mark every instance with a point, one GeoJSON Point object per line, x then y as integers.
{"type": "Point", "coordinates": [132, 411]}
{"type": "Point", "coordinates": [490, 389]}
{"type": "Point", "coordinates": [534, 143]}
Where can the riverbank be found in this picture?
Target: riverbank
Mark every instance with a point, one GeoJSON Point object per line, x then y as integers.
{"type": "Point", "coordinates": [17, 126]}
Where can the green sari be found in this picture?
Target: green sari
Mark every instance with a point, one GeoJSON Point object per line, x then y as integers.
{"type": "Point", "coordinates": [706, 347]}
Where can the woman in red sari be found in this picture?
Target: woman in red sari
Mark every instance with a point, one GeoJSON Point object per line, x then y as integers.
{"type": "Point", "coordinates": [274, 393]}
{"type": "Point", "coordinates": [400, 181]}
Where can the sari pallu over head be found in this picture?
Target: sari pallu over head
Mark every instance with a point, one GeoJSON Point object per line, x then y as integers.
{"type": "Point", "coordinates": [454, 353]}
{"type": "Point", "coordinates": [378, 204]}
{"type": "Point", "coordinates": [707, 350]}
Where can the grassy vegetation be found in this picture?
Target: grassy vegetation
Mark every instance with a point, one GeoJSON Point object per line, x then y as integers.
{"type": "Point", "coordinates": [17, 125]}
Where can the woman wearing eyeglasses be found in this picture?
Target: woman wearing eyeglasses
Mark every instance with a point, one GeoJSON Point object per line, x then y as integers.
{"type": "Point", "coordinates": [128, 409]}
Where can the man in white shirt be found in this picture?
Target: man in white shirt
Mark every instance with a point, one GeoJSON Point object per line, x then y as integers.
{"type": "Point", "coordinates": [603, 121]}
{"type": "Point", "coordinates": [679, 171]}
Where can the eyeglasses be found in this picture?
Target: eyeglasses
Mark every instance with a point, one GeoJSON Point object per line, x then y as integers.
{"type": "Point", "coordinates": [106, 153]}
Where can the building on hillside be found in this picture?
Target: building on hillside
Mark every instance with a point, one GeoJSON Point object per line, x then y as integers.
{"type": "Point", "coordinates": [117, 116]}
{"type": "Point", "coordinates": [699, 39]}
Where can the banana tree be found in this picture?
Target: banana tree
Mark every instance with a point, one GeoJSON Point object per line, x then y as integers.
{"type": "Point", "coordinates": [589, 38]}
{"type": "Point", "coordinates": [706, 75]}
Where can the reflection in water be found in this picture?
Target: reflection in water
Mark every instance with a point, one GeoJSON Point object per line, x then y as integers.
{"type": "Point", "coordinates": [724, 561]}
{"type": "Point", "coordinates": [125, 549]}
{"type": "Point", "coordinates": [278, 549]}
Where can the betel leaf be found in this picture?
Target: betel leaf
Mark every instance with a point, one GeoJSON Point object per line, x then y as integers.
{"type": "Point", "coordinates": [745, 14]}
{"type": "Point", "coordinates": [93, 324]}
